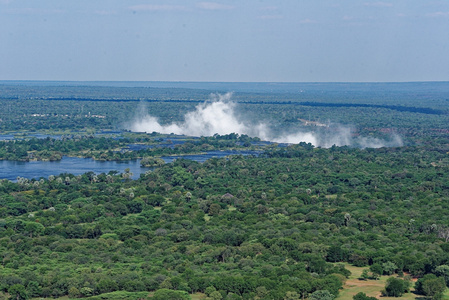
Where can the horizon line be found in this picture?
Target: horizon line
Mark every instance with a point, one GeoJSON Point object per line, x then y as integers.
{"type": "Point", "coordinates": [180, 81]}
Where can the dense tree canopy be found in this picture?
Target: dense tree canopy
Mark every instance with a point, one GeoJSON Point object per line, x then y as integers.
{"type": "Point", "coordinates": [278, 225]}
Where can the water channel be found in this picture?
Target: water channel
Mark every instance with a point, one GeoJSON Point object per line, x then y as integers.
{"type": "Point", "coordinates": [74, 165]}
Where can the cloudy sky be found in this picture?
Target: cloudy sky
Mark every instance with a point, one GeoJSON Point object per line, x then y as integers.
{"type": "Point", "coordinates": [227, 40]}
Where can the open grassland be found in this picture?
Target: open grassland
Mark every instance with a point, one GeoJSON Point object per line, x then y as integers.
{"type": "Point", "coordinates": [352, 287]}
{"type": "Point", "coordinates": [372, 288]}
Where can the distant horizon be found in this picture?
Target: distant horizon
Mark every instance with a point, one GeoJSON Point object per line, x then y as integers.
{"type": "Point", "coordinates": [247, 87]}
{"type": "Point", "coordinates": [201, 81]}
{"type": "Point", "coordinates": [225, 41]}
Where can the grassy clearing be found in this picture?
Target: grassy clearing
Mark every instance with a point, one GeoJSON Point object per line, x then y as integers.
{"type": "Point", "coordinates": [126, 295]}
{"type": "Point", "coordinates": [353, 286]}
{"type": "Point", "coordinates": [371, 288]}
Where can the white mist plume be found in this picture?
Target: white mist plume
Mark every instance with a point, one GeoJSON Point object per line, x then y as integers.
{"type": "Point", "coordinates": [366, 142]}
{"type": "Point", "coordinates": [208, 119]}
{"type": "Point", "coordinates": [296, 138]}
{"type": "Point", "coordinates": [218, 117]}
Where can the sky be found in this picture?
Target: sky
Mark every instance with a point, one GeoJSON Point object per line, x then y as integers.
{"type": "Point", "coordinates": [225, 41]}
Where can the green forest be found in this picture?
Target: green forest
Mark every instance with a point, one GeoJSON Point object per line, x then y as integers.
{"type": "Point", "coordinates": [292, 222]}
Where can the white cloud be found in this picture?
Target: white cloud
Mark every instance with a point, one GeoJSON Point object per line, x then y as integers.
{"type": "Point", "coordinates": [156, 7]}
{"type": "Point", "coordinates": [214, 6]}
{"type": "Point", "coordinates": [438, 14]}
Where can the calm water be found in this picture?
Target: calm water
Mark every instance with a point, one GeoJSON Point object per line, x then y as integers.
{"type": "Point", "coordinates": [203, 157]}
{"type": "Point", "coordinates": [35, 169]}
{"type": "Point", "coordinates": [6, 137]}
{"type": "Point", "coordinates": [18, 136]}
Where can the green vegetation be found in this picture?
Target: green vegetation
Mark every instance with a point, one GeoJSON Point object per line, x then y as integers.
{"type": "Point", "coordinates": [294, 212]}
{"type": "Point", "coordinates": [420, 116]}
{"type": "Point", "coordinates": [395, 287]}
{"type": "Point", "coordinates": [431, 286]}
{"type": "Point", "coordinates": [117, 149]}
{"type": "Point", "coordinates": [151, 162]}
{"type": "Point", "coordinates": [293, 223]}
{"type": "Point", "coordinates": [363, 296]}
{"type": "Point", "coordinates": [117, 295]}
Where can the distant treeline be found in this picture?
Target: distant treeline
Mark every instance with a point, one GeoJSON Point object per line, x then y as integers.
{"type": "Point", "coordinates": [422, 110]}
{"type": "Point", "coordinates": [412, 109]}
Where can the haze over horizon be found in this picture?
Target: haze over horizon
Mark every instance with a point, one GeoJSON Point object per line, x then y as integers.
{"type": "Point", "coordinates": [225, 41]}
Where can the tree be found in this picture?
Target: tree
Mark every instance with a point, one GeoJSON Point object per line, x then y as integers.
{"type": "Point", "coordinates": [321, 295]}
{"type": "Point", "coordinates": [164, 294]}
{"type": "Point", "coordinates": [214, 209]}
{"type": "Point", "coordinates": [151, 162]}
{"type": "Point", "coordinates": [419, 284]}
{"type": "Point", "coordinates": [215, 295]}
{"type": "Point", "coordinates": [336, 253]}
{"type": "Point", "coordinates": [292, 296]}
{"type": "Point", "coordinates": [74, 292]}
{"type": "Point", "coordinates": [303, 287]}
{"type": "Point", "coordinates": [33, 289]}
{"type": "Point", "coordinates": [135, 206]}
{"type": "Point", "coordinates": [155, 200]}
{"type": "Point", "coordinates": [364, 275]}
{"type": "Point", "coordinates": [262, 291]}
{"type": "Point", "coordinates": [443, 271]}
{"type": "Point", "coordinates": [86, 291]}
{"type": "Point", "coordinates": [18, 292]}
{"type": "Point", "coordinates": [395, 287]}
{"type": "Point", "coordinates": [389, 268]}
{"type": "Point", "coordinates": [434, 287]}
{"type": "Point", "coordinates": [377, 270]}
{"type": "Point", "coordinates": [34, 228]}
{"type": "Point", "coordinates": [106, 286]}
{"type": "Point", "coordinates": [363, 296]}
{"type": "Point", "coordinates": [209, 290]}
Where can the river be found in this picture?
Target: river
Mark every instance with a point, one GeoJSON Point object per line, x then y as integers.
{"type": "Point", "coordinates": [74, 165]}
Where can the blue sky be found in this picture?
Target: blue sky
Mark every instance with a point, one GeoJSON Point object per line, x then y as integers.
{"type": "Point", "coordinates": [248, 41]}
